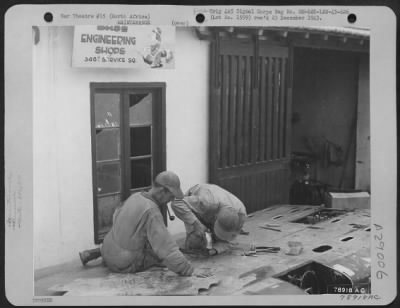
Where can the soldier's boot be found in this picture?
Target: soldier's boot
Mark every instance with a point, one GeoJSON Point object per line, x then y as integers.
{"type": "Point", "coordinates": [88, 255]}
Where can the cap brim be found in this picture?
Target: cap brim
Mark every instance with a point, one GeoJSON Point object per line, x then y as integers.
{"type": "Point", "coordinates": [177, 192]}
{"type": "Point", "coordinates": [222, 234]}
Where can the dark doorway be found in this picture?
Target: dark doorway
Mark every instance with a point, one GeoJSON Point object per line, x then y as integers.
{"type": "Point", "coordinates": [324, 117]}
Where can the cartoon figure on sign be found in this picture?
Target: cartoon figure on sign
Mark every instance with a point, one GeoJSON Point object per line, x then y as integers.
{"type": "Point", "coordinates": [155, 55]}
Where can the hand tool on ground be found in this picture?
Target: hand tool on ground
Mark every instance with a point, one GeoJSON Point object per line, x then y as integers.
{"type": "Point", "coordinates": [251, 252]}
{"type": "Point", "coordinates": [267, 249]}
{"type": "Point", "coordinates": [272, 225]}
{"type": "Point", "coordinates": [254, 250]}
{"type": "Point", "coordinates": [269, 228]}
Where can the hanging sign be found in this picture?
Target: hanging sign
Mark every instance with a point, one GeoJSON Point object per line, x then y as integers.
{"type": "Point", "coordinates": [123, 46]}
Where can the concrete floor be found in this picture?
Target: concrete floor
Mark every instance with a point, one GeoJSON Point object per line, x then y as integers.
{"type": "Point", "coordinates": [64, 273]}
{"type": "Point", "coordinates": [237, 271]}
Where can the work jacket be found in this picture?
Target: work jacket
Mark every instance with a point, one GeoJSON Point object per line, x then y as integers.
{"type": "Point", "coordinates": [211, 199]}
{"type": "Point", "coordinates": [139, 239]}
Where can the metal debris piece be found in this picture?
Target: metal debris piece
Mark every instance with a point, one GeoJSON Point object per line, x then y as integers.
{"type": "Point", "coordinates": [359, 226]}
{"type": "Point", "coordinates": [242, 232]}
{"type": "Point", "coordinates": [311, 219]}
{"type": "Point", "coordinates": [295, 248]}
{"type": "Point", "coordinates": [261, 271]}
{"type": "Point", "coordinates": [356, 227]}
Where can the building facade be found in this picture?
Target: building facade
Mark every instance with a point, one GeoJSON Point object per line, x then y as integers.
{"type": "Point", "coordinates": [236, 106]}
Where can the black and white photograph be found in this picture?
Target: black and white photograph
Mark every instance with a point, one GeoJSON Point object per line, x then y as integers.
{"type": "Point", "coordinates": [201, 160]}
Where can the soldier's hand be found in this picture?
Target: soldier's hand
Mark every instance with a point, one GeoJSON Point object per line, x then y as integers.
{"type": "Point", "coordinates": [202, 272]}
{"type": "Point", "coordinates": [212, 252]}
{"type": "Point", "coordinates": [199, 227]}
{"type": "Point", "coordinates": [188, 271]}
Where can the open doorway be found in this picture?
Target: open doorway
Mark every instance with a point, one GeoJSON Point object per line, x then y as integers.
{"type": "Point", "coordinates": [330, 123]}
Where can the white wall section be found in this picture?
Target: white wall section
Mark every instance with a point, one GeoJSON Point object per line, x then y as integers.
{"type": "Point", "coordinates": [63, 202]}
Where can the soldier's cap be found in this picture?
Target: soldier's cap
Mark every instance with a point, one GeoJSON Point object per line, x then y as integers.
{"type": "Point", "coordinates": [227, 224]}
{"type": "Point", "coordinates": [171, 181]}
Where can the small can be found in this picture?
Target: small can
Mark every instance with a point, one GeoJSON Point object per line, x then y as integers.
{"type": "Point", "coordinates": [209, 240]}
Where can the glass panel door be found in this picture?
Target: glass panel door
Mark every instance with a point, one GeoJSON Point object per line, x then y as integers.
{"type": "Point", "coordinates": [128, 144]}
{"type": "Point", "coordinates": [107, 111]}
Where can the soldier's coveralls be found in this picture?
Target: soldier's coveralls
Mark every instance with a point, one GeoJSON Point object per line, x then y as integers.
{"type": "Point", "coordinates": [212, 198]}
{"type": "Point", "coordinates": [139, 239]}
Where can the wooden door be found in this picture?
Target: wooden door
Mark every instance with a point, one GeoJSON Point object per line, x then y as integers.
{"type": "Point", "coordinates": [250, 111]}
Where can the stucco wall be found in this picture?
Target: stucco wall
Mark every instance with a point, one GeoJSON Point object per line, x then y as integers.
{"type": "Point", "coordinates": [363, 152]}
{"type": "Point", "coordinates": [63, 204]}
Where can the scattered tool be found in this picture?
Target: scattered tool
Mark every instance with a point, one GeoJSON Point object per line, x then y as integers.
{"type": "Point", "coordinates": [267, 249]}
{"type": "Point", "coordinates": [269, 228]}
{"type": "Point", "coordinates": [356, 227]}
{"type": "Point", "coordinates": [254, 250]}
{"type": "Point", "coordinates": [272, 225]}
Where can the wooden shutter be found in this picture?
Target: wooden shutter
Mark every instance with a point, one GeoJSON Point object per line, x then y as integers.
{"type": "Point", "coordinates": [250, 121]}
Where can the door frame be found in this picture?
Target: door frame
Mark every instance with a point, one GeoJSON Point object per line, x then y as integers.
{"type": "Point", "coordinates": [159, 117]}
